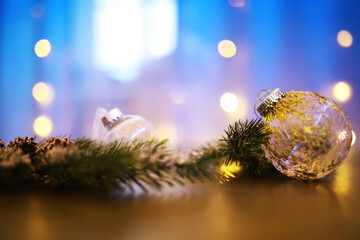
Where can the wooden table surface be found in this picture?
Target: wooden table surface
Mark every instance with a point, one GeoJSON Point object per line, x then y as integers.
{"type": "Point", "coordinates": [245, 209]}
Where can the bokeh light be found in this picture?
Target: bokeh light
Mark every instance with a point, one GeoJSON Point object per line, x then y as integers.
{"type": "Point", "coordinates": [167, 131]}
{"type": "Point", "coordinates": [353, 138]}
{"type": "Point", "coordinates": [229, 102]}
{"type": "Point", "coordinates": [43, 93]}
{"type": "Point", "coordinates": [37, 10]}
{"type": "Point", "coordinates": [42, 48]}
{"type": "Point", "coordinates": [42, 126]}
{"type": "Point", "coordinates": [229, 171]}
{"type": "Point", "coordinates": [243, 108]}
{"type": "Point", "coordinates": [237, 3]}
{"type": "Point", "coordinates": [226, 48]}
{"type": "Point", "coordinates": [342, 91]}
{"type": "Point", "coordinates": [344, 38]}
{"type": "Point", "coordinates": [178, 95]}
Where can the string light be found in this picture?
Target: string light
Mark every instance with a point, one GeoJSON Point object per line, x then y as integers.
{"type": "Point", "coordinates": [42, 126]}
{"type": "Point", "coordinates": [344, 38]}
{"type": "Point", "coordinates": [43, 93]}
{"type": "Point", "coordinates": [342, 91]}
{"type": "Point", "coordinates": [42, 48]}
{"type": "Point", "coordinates": [229, 102]}
{"type": "Point", "coordinates": [226, 48]}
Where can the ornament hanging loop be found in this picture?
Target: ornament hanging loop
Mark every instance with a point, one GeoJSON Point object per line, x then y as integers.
{"type": "Point", "coordinates": [269, 102]}
{"type": "Point", "coordinates": [260, 93]}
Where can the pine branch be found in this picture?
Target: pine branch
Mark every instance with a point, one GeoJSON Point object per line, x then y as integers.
{"type": "Point", "coordinates": [205, 166]}
{"type": "Point", "coordinates": [242, 144]}
{"type": "Point", "coordinates": [121, 165]}
{"type": "Point", "coordinates": [15, 168]}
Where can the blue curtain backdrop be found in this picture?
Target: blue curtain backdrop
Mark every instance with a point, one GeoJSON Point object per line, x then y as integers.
{"type": "Point", "coordinates": [286, 44]}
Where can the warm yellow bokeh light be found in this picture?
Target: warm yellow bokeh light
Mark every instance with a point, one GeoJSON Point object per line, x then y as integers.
{"type": "Point", "coordinates": [353, 138]}
{"type": "Point", "coordinates": [229, 102]}
{"type": "Point", "coordinates": [42, 126]}
{"type": "Point", "coordinates": [42, 48]}
{"type": "Point", "coordinates": [344, 38]}
{"type": "Point", "coordinates": [237, 3]}
{"type": "Point", "coordinates": [43, 92]}
{"type": "Point", "coordinates": [243, 107]}
{"type": "Point", "coordinates": [342, 91]}
{"type": "Point", "coordinates": [167, 131]}
{"type": "Point", "coordinates": [226, 48]}
{"type": "Point", "coordinates": [229, 170]}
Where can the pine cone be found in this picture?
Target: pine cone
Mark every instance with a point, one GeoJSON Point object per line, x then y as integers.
{"type": "Point", "coordinates": [2, 145]}
{"type": "Point", "coordinates": [26, 144]}
{"type": "Point", "coordinates": [55, 141]}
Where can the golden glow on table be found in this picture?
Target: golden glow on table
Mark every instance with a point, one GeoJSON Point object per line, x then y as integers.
{"type": "Point", "coordinates": [226, 48]}
{"type": "Point", "coordinates": [42, 126]}
{"type": "Point", "coordinates": [342, 91]}
{"type": "Point", "coordinates": [342, 179]}
{"type": "Point", "coordinates": [42, 48]}
{"type": "Point", "coordinates": [229, 102]}
{"type": "Point", "coordinates": [344, 38]}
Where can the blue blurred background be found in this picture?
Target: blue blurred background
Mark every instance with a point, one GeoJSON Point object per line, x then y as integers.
{"type": "Point", "coordinates": [170, 61]}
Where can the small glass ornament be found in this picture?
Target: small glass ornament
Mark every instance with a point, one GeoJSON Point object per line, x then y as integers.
{"type": "Point", "coordinates": [311, 135]}
{"type": "Point", "coordinates": [114, 125]}
{"type": "Point", "coordinates": [184, 156]}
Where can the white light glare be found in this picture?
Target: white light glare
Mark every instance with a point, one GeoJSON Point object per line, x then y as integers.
{"type": "Point", "coordinates": [162, 27]}
{"type": "Point", "coordinates": [118, 37]}
{"type": "Point", "coordinates": [229, 102]}
{"type": "Point", "coordinates": [125, 31]}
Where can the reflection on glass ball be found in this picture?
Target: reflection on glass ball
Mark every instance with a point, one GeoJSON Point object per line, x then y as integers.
{"type": "Point", "coordinates": [130, 128]}
{"type": "Point", "coordinates": [311, 135]}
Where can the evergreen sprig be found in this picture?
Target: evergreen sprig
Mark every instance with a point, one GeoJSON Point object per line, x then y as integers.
{"type": "Point", "coordinates": [117, 165]}
{"type": "Point", "coordinates": [15, 167]}
{"type": "Point", "coordinates": [140, 164]}
{"type": "Point", "coordinates": [243, 144]}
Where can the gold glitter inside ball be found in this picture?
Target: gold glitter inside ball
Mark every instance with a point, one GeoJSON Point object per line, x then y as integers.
{"type": "Point", "coordinates": [311, 135]}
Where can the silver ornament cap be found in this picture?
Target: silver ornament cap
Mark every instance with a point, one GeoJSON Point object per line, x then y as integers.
{"type": "Point", "coordinates": [112, 118]}
{"type": "Point", "coordinates": [270, 101]}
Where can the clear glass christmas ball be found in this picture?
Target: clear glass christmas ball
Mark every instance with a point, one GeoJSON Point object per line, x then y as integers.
{"type": "Point", "coordinates": [311, 135]}
{"type": "Point", "coordinates": [132, 127]}
{"type": "Point", "coordinates": [113, 125]}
